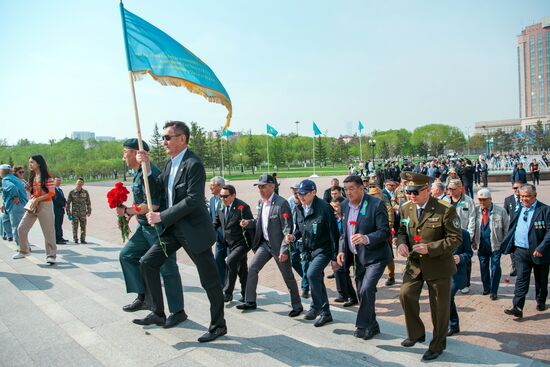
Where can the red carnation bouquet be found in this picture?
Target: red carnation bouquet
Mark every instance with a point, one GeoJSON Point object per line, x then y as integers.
{"type": "Point", "coordinates": [116, 197]}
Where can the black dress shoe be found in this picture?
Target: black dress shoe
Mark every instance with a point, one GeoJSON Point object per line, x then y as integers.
{"type": "Point", "coordinates": [247, 306]}
{"type": "Point", "coordinates": [514, 273]}
{"type": "Point", "coordinates": [390, 282]}
{"type": "Point", "coordinates": [541, 307]}
{"type": "Point", "coordinates": [429, 355]}
{"type": "Point", "coordinates": [351, 302]}
{"type": "Point", "coordinates": [75, 241]}
{"type": "Point", "coordinates": [311, 314]}
{"type": "Point", "coordinates": [305, 293]}
{"type": "Point", "coordinates": [493, 297]}
{"type": "Point", "coordinates": [331, 276]}
{"type": "Point", "coordinates": [241, 299]}
{"type": "Point", "coordinates": [213, 335]}
{"type": "Point", "coordinates": [295, 313]}
{"type": "Point", "coordinates": [485, 293]}
{"type": "Point", "coordinates": [151, 319]}
{"type": "Point", "coordinates": [174, 319]}
{"type": "Point", "coordinates": [10, 239]}
{"type": "Point", "coordinates": [83, 242]}
{"type": "Point", "coordinates": [360, 333]}
{"type": "Point", "coordinates": [227, 297]}
{"type": "Point", "coordinates": [371, 333]}
{"type": "Point", "coordinates": [411, 342]}
{"type": "Point", "coordinates": [453, 331]}
{"type": "Point", "coordinates": [136, 305]}
{"type": "Point", "coordinates": [323, 320]}
{"type": "Point", "coordinates": [514, 311]}
{"type": "Point", "coordinates": [340, 300]}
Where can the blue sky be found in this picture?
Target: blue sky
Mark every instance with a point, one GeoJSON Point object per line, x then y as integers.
{"type": "Point", "coordinates": [390, 64]}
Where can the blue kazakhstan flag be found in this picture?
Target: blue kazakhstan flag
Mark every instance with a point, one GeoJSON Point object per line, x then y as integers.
{"type": "Point", "coordinates": [316, 130]}
{"type": "Point", "coordinates": [360, 126]}
{"type": "Point", "coordinates": [151, 51]}
{"type": "Point", "coordinates": [271, 130]}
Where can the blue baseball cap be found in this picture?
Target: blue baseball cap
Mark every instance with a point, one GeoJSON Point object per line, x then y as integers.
{"type": "Point", "coordinates": [306, 186]}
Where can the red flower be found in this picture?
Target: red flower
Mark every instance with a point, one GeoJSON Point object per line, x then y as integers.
{"type": "Point", "coordinates": [417, 238]}
{"type": "Point", "coordinates": [352, 222]}
{"type": "Point", "coordinates": [240, 207]}
{"type": "Point", "coordinates": [136, 208]}
{"type": "Point", "coordinates": [393, 231]}
{"type": "Point", "coordinates": [285, 215]}
{"type": "Point", "coordinates": [117, 195]}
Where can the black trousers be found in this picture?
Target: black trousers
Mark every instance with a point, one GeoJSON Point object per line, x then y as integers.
{"type": "Point", "coordinates": [236, 263]}
{"type": "Point", "coordinates": [524, 264]}
{"type": "Point", "coordinates": [344, 285]}
{"type": "Point", "coordinates": [58, 216]}
{"type": "Point", "coordinates": [206, 267]}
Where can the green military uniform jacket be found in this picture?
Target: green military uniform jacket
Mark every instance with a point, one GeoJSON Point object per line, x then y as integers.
{"type": "Point", "coordinates": [78, 203]}
{"type": "Point", "coordinates": [440, 229]}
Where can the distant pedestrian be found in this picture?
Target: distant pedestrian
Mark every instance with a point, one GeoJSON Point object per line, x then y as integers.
{"type": "Point", "coordinates": [59, 203]}
{"type": "Point", "coordinates": [15, 198]}
{"type": "Point", "coordinates": [79, 207]}
{"type": "Point", "coordinates": [535, 172]}
{"type": "Point", "coordinates": [519, 174]}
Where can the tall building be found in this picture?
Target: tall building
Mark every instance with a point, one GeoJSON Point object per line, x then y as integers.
{"type": "Point", "coordinates": [83, 135]}
{"type": "Point", "coordinates": [534, 69]}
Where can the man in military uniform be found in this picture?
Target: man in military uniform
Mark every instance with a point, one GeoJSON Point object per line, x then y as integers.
{"type": "Point", "coordinates": [142, 240]}
{"type": "Point", "coordinates": [79, 207]}
{"type": "Point", "coordinates": [429, 231]}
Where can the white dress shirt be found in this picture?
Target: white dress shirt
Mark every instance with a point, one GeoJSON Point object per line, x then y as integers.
{"type": "Point", "coordinates": [173, 171]}
{"type": "Point", "coordinates": [266, 208]}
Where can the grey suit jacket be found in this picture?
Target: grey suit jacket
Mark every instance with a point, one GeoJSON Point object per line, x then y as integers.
{"type": "Point", "coordinates": [188, 218]}
{"type": "Point", "coordinates": [277, 224]}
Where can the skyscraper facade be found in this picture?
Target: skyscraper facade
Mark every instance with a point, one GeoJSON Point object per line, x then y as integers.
{"type": "Point", "coordinates": [534, 69]}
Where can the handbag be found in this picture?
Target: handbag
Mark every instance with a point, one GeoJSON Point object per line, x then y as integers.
{"type": "Point", "coordinates": [31, 206]}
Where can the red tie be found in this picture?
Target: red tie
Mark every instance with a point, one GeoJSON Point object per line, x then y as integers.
{"type": "Point", "coordinates": [485, 216]}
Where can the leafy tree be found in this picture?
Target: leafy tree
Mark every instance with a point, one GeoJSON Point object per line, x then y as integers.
{"type": "Point", "coordinates": [157, 152]}
{"type": "Point", "coordinates": [539, 135]}
{"type": "Point", "coordinates": [252, 152]}
{"type": "Point", "coordinates": [197, 142]}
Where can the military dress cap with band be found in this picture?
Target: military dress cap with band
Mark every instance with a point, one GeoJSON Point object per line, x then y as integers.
{"type": "Point", "coordinates": [415, 181]}
{"type": "Point", "coordinates": [264, 180]}
{"type": "Point", "coordinates": [133, 144]}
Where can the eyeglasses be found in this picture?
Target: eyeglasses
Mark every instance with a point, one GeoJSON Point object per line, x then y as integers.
{"type": "Point", "coordinates": [21, 172]}
{"type": "Point", "coordinates": [169, 137]}
{"type": "Point", "coordinates": [515, 188]}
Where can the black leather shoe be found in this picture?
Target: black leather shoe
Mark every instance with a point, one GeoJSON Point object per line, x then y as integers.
{"type": "Point", "coordinates": [75, 241]}
{"type": "Point", "coordinates": [213, 335]}
{"type": "Point", "coordinates": [351, 302]}
{"type": "Point", "coordinates": [174, 319]}
{"type": "Point", "coordinates": [371, 333]}
{"type": "Point", "coordinates": [493, 297]}
{"type": "Point", "coordinates": [136, 305]}
{"type": "Point", "coordinates": [323, 320]}
{"type": "Point", "coordinates": [514, 311]}
{"type": "Point", "coordinates": [390, 282]}
{"type": "Point", "coordinates": [340, 300]}
{"type": "Point", "coordinates": [295, 313]}
{"type": "Point", "coordinates": [83, 242]}
{"type": "Point", "coordinates": [247, 306]}
{"type": "Point", "coordinates": [241, 299]}
{"type": "Point", "coordinates": [411, 342]}
{"type": "Point", "coordinates": [485, 293]}
{"type": "Point", "coordinates": [305, 293]}
{"type": "Point", "coordinates": [514, 273]}
{"type": "Point", "coordinates": [453, 331]}
{"type": "Point", "coordinates": [227, 297]}
{"type": "Point", "coordinates": [429, 355]}
{"type": "Point", "coordinates": [311, 314]}
{"type": "Point", "coordinates": [60, 242]}
{"type": "Point", "coordinates": [541, 307]}
{"type": "Point", "coordinates": [360, 333]}
{"type": "Point", "coordinates": [151, 319]}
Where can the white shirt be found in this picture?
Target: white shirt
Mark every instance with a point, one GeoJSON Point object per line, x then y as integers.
{"type": "Point", "coordinates": [173, 171]}
{"type": "Point", "coordinates": [265, 216]}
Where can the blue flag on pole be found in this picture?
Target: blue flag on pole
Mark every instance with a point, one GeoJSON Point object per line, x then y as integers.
{"type": "Point", "coordinates": [227, 132]}
{"type": "Point", "coordinates": [361, 127]}
{"type": "Point", "coordinates": [271, 130]}
{"type": "Point", "coordinates": [151, 51]}
{"type": "Point", "coordinates": [316, 130]}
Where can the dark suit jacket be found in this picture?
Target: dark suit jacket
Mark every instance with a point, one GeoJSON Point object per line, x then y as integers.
{"type": "Point", "coordinates": [510, 205]}
{"type": "Point", "coordinates": [375, 224]}
{"type": "Point", "coordinates": [539, 235]}
{"type": "Point", "coordinates": [59, 201]}
{"type": "Point", "coordinates": [231, 228]}
{"type": "Point", "coordinates": [465, 252]}
{"type": "Point", "coordinates": [188, 218]}
{"type": "Point", "coordinates": [213, 211]}
{"type": "Point", "coordinates": [277, 223]}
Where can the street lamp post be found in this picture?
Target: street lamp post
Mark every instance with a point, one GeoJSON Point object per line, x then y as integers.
{"type": "Point", "coordinates": [372, 143]}
{"type": "Point", "coordinates": [124, 169]}
{"type": "Point", "coordinates": [242, 168]}
{"type": "Point", "coordinates": [296, 122]}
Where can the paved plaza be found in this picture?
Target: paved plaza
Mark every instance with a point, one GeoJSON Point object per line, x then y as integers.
{"type": "Point", "coordinates": [70, 314]}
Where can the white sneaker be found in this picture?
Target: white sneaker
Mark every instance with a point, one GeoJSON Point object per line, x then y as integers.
{"type": "Point", "coordinates": [465, 290]}
{"type": "Point", "coordinates": [50, 260]}
{"type": "Point", "coordinates": [19, 255]}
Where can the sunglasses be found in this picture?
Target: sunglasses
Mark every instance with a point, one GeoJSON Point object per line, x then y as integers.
{"type": "Point", "coordinates": [20, 172]}
{"type": "Point", "coordinates": [415, 192]}
{"type": "Point", "coordinates": [169, 137]}
{"type": "Point", "coordinates": [224, 196]}
{"type": "Point", "coordinates": [515, 188]}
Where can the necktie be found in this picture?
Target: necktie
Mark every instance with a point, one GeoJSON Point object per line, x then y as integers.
{"type": "Point", "coordinates": [420, 210]}
{"type": "Point", "coordinates": [226, 212]}
{"type": "Point", "coordinates": [485, 217]}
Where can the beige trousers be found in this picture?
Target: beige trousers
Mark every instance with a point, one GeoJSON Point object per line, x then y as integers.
{"type": "Point", "coordinates": [45, 217]}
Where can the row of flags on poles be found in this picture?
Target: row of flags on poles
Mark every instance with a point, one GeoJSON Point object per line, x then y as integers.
{"type": "Point", "coordinates": [316, 131]}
